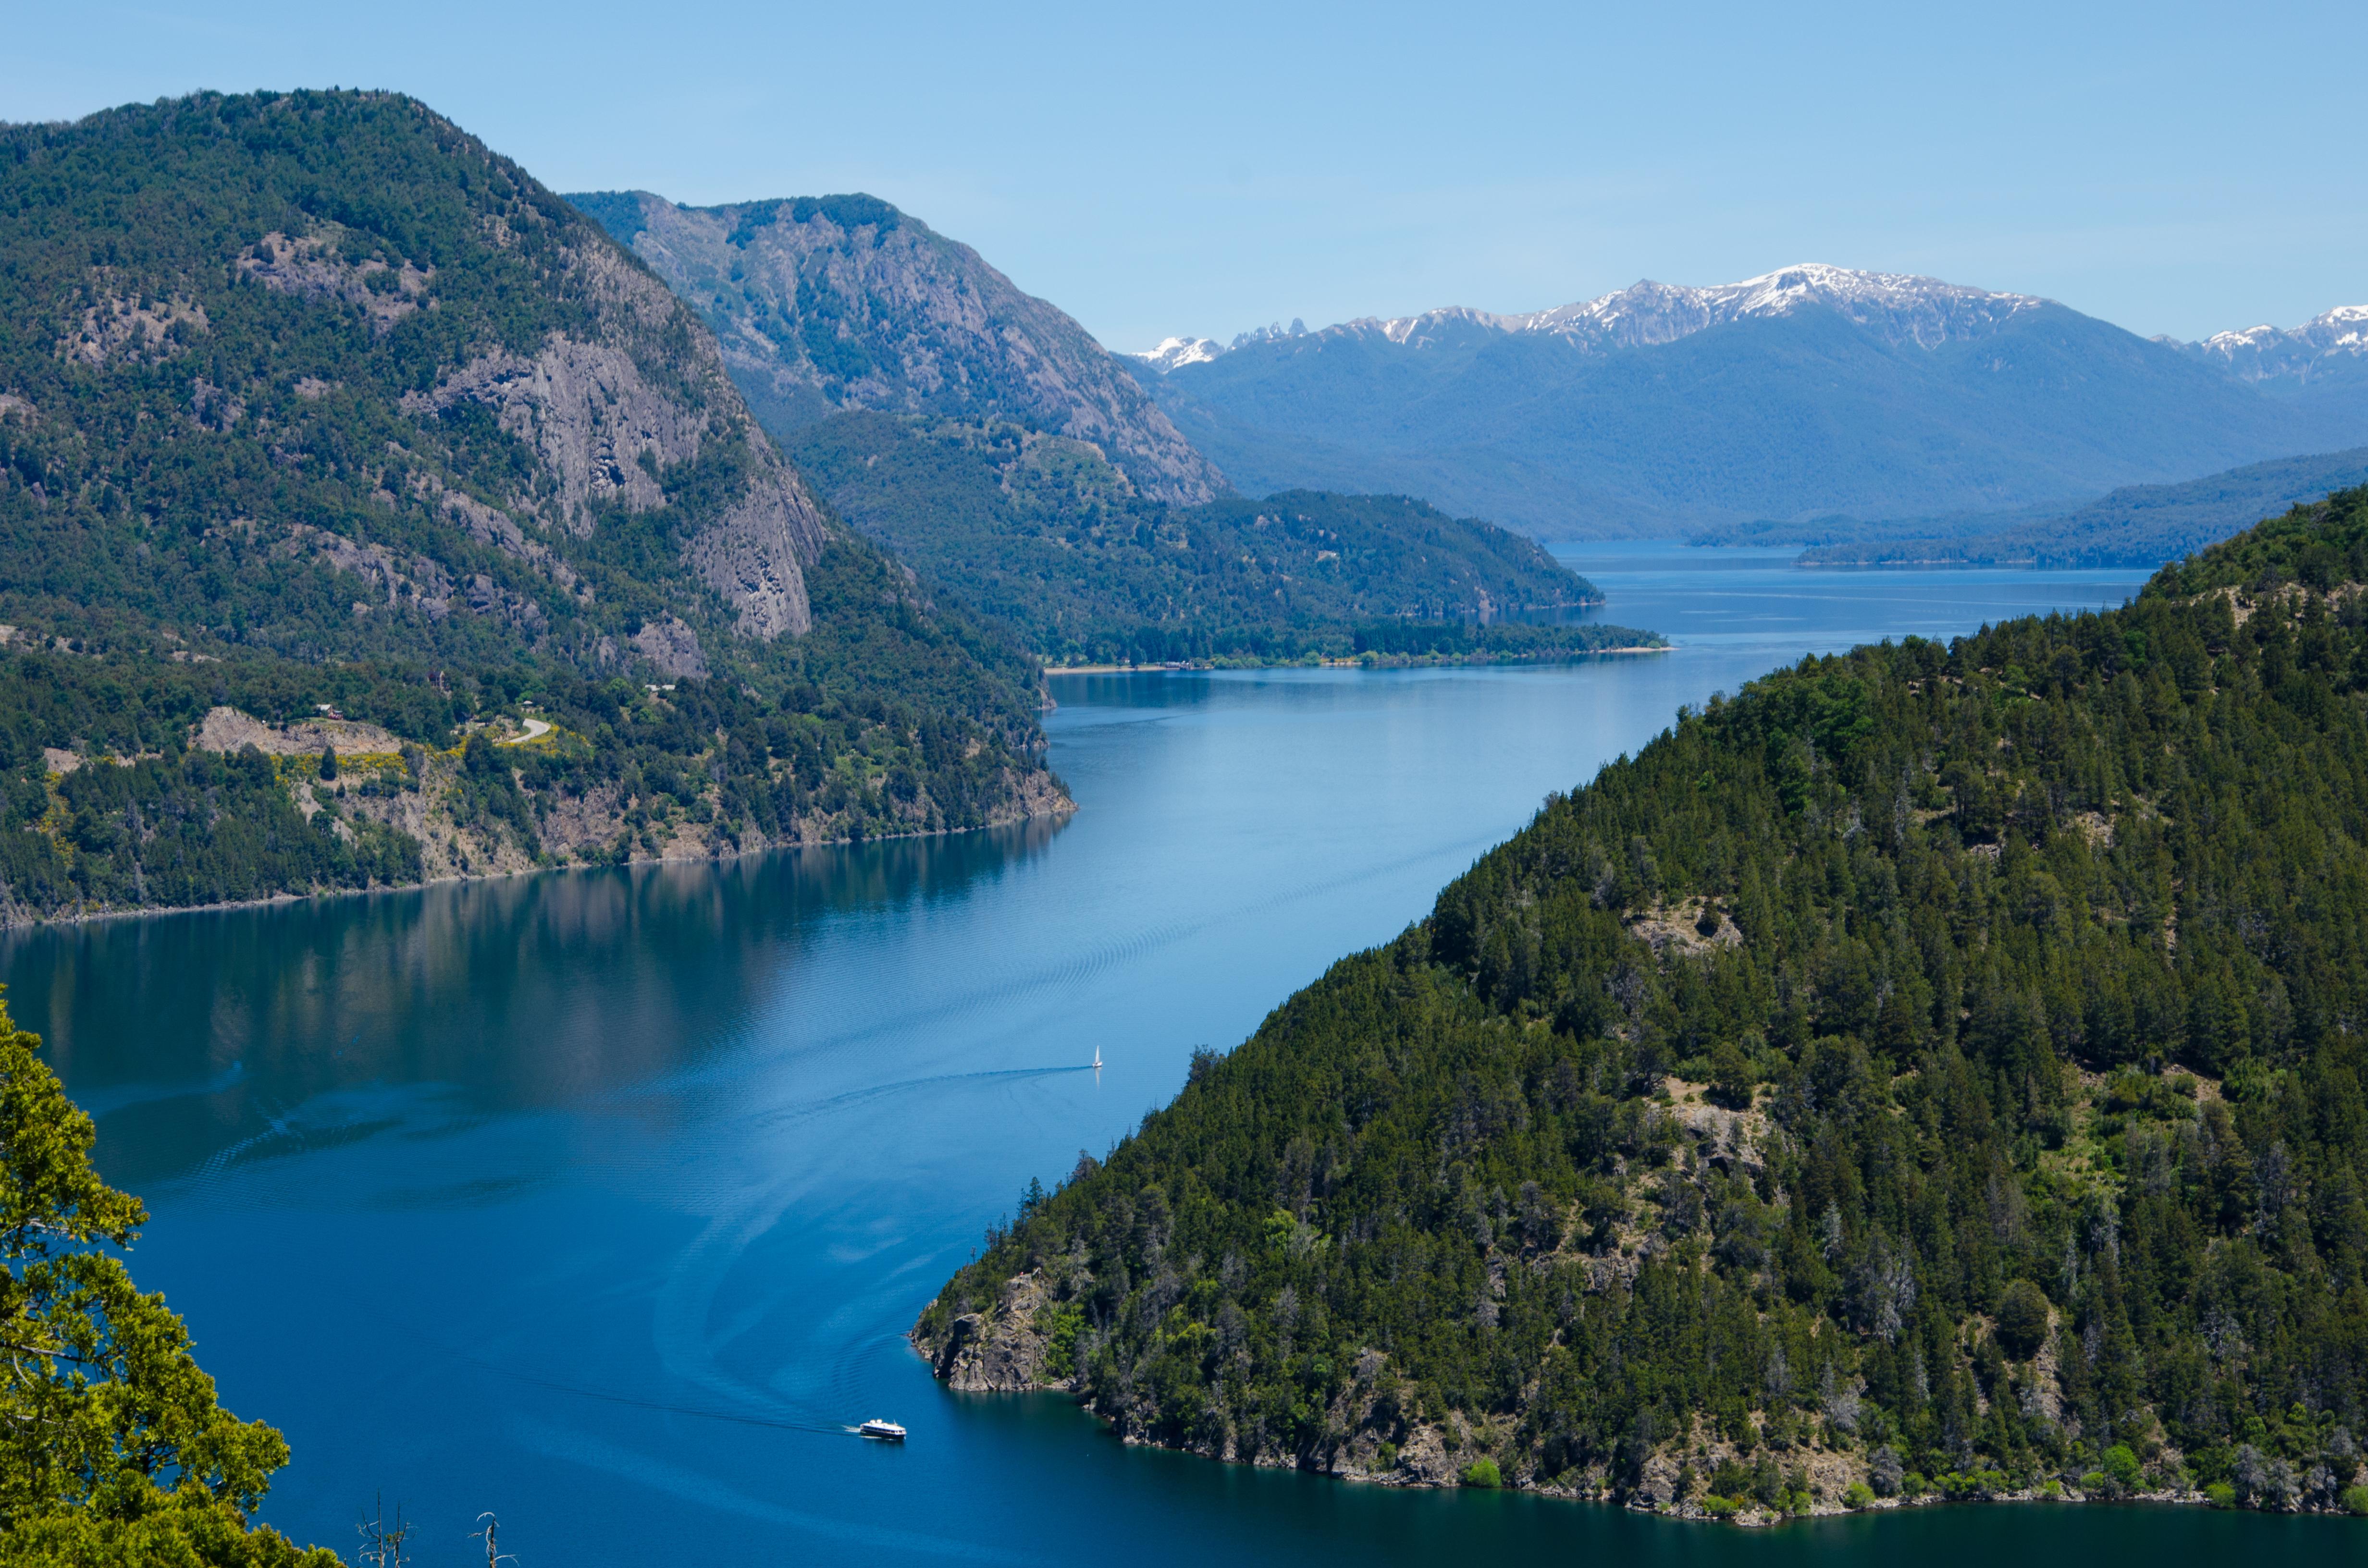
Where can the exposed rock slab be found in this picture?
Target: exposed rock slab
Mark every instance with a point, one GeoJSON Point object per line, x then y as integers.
{"type": "Point", "coordinates": [227, 729]}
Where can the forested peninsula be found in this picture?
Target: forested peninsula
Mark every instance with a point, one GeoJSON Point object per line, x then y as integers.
{"type": "Point", "coordinates": [1931, 1071]}
{"type": "Point", "coordinates": [367, 516]}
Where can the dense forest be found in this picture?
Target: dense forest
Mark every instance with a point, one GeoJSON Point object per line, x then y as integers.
{"type": "Point", "coordinates": [310, 403]}
{"type": "Point", "coordinates": [1933, 1071]}
{"type": "Point", "coordinates": [1043, 532]}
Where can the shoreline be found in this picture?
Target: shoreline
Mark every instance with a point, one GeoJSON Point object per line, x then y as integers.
{"type": "Point", "coordinates": [10, 928]}
{"type": "Point", "coordinates": [1753, 1515]}
{"type": "Point", "coordinates": [1401, 662]}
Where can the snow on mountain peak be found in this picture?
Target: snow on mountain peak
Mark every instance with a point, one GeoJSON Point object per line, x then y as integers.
{"type": "Point", "coordinates": [1175, 351]}
{"type": "Point", "coordinates": [2266, 353]}
{"type": "Point", "coordinates": [1901, 307]}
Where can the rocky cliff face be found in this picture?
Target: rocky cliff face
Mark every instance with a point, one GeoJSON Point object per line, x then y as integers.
{"type": "Point", "coordinates": [611, 408]}
{"type": "Point", "coordinates": [373, 346]}
{"type": "Point", "coordinates": [998, 1349]}
{"type": "Point", "coordinates": [844, 303]}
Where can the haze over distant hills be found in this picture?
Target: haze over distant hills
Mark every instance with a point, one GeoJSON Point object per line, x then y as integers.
{"type": "Point", "coordinates": [1810, 389]}
{"type": "Point", "coordinates": [2139, 525]}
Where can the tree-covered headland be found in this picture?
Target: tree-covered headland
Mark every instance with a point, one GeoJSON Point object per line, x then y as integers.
{"type": "Point", "coordinates": [1935, 1070]}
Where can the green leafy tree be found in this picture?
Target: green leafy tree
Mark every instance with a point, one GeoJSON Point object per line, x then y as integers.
{"type": "Point", "coordinates": [113, 1449]}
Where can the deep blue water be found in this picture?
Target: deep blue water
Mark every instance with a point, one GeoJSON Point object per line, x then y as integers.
{"type": "Point", "coordinates": [601, 1199]}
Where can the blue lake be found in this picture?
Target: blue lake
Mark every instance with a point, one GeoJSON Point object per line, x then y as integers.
{"type": "Point", "coordinates": [602, 1199]}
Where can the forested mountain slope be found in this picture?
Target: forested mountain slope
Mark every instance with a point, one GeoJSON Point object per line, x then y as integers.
{"type": "Point", "coordinates": [1932, 1068]}
{"type": "Point", "coordinates": [1043, 532]}
{"type": "Point", "coordinates": [310, 402]}
{"type": "Point", "coordinates": [833, 303]}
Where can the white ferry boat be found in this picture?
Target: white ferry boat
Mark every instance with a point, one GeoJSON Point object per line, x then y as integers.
{"type": "Point", "coordinates": [886, 1431]}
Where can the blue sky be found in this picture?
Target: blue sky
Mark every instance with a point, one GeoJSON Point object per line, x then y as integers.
{"type": "Point", "coordinates": [1206, 168]}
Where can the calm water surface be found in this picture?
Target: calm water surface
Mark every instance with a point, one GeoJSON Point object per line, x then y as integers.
{"type": "Point", "coordinates": [601, 1199]}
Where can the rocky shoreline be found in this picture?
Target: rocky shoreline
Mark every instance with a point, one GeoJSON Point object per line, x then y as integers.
{"type": "Point", "coordinates": [1016, 1345]}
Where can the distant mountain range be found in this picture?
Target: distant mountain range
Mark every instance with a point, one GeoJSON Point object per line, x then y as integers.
{"type": "Point", "coordinates": [2325, 358]}
{"type": "Point", "coordinates": [1810, 389]}
{"type": "Point", "coordinates": [836, 302]}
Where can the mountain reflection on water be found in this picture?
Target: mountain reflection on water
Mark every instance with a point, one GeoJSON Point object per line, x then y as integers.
{"type": "Point", "coordinates": [601, 1199]}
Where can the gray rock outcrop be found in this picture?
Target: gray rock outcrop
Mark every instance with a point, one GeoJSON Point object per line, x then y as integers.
{"type": "Point", "coordinates": [844, 303]}
{"type": "Point", "coordinates": [611, 416]}
{"type": "Point", "coordinates": [1000, 1350]}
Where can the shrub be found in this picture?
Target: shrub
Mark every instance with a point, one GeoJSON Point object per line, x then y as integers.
{"type": "Point", "coordinates": [2123, 1466]}
{"type": "Point", "coordinates": [1913, 1483]}
{"type": "Point", "coordinates": [1484, 1474]}
{"type": "Point", "coordinates": [2095, 1481]}
{"type": "Point", "coordinates": [2220, 1495]}
{"type": "Point", "coordinates": [1719, 1507]}
{"type": "Point", "coordinates": [1060, 1341]}
{"type": "Point", "coordinates": [2355, 1500]}
{"type": "Point", "coordinates": [1385, 1457]}
{"type": "Point", "coordinates": [1858, 1496]}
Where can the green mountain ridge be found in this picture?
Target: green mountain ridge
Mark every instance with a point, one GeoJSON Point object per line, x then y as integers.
{"type": "Point", "coordinates": [1043, 532]}
{"type": "Point", "coordinates": [1931, 1071]}
{"type": "Point", "coordinates": [308, 403]}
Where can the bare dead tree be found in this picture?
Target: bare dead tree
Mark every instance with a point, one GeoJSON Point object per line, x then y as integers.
{"type": "Point", "coordinates": [382, 1544]}
{"type": "Point", "coordinates": [494, 1556]}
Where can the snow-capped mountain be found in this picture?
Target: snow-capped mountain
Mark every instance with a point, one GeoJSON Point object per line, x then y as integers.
{"type": "Point", "coordinates": [1899, 308]}
{"type": "Point", "coordinates": [1806, 391]}
{"type": "Point", "coordinates": [1175, 351]}
{"type": "Point", "coordinates": [2337, 340]}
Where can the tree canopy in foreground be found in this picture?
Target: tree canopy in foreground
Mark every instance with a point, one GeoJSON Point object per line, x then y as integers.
{"type": "Point", "coordinates": [113, 1449]}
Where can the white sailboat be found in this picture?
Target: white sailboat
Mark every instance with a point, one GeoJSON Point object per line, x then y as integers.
{"type": "Point", "coordinates": [1098, 1058]}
